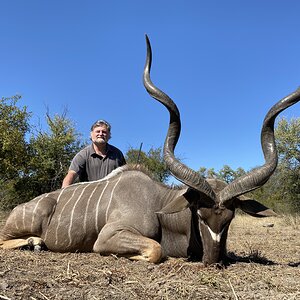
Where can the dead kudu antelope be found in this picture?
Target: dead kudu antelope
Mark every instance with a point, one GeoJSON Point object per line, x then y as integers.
{"type": "Point", "coordinates": [129, 214]}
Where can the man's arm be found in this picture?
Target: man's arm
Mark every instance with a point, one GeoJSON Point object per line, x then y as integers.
{"type": "Point", "coordinates": [69, 179]}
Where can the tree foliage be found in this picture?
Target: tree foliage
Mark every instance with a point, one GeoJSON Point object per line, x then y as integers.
{"type": "Point", "coordinates": [152, 160]}
{"type": "Point", "coordinates": [51, 153]}
{"type": "Point", "coordinates": [226, 174]}
{"type": "Point", "coordinates": [32, 161]}
{"type": "Point", "coordinates": [288, 142]}
{"type": "Point", "coordinates": [13, 128]}
{"type": "Point", "coordinates": [282, 191]}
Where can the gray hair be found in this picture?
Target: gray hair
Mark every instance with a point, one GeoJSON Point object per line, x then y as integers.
{"type": "Point", "coordinates": [100, 123]}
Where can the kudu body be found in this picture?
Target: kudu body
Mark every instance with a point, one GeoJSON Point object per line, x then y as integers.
{"type": "Point", "coordinates": [130, 214]}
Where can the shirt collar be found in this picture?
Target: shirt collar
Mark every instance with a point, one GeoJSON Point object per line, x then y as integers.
{"type": "Point", "coordinates": [93, 152]}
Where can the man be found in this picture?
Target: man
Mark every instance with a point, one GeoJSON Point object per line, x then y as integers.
{"type": "Point", "coordinates": [96, 160]}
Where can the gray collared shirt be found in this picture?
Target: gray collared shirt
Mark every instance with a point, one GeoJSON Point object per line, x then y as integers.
{"type": "Point", "coordinates": [90, 166]}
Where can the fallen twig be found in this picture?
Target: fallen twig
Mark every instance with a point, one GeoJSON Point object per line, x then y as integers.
{"type": "Point", "coordinates": [233, 291]}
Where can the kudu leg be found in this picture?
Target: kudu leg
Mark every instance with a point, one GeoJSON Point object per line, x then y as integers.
{"type": "Point", "coordinates": [26, 223]}
{"type": "Point", "coordinates": [128, 242]}
{"type": "Point", "coordinates": [32, 242]}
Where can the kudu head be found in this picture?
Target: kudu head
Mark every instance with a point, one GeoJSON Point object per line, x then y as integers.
{"type": "Point", "coordinates": [213, 200]}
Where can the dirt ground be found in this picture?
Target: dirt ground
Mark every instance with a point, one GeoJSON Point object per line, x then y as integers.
{"type": "Point", "coordinates": [268, 267]}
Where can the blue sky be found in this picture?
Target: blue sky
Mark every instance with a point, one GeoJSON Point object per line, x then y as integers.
{"type": "Point", "coordinates": [224, 63]}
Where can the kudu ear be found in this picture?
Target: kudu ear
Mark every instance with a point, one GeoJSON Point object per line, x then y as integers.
{"type": "Point", "coordinates": [253, 207]}
{"type": "Point", "coordinates": [178, 204]}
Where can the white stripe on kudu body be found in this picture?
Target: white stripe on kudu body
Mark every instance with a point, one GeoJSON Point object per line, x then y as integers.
{"type": "Point", "coordinates": [87, 208]}
{"type": "Point", "coordinates": [34, 211]}
{"type": "Point", "coordinates": [52, 212]}
{"type": "Point", "coordinates": [60, 194]}
{"type": "Point", "coordinates": [111, 196]}
{"type": "Point", "coordinates": [97, 208]}
{"type": "Point", "coordinates": [46, 233]}
{"type": "Point", "coordinates": [72, 214]}
{"type": "Point", "coordinates": [16, 221]}
{"type": "Point", "coordinates": [23, 216]}
{"type": "Point", "coordinates": [62, 210]}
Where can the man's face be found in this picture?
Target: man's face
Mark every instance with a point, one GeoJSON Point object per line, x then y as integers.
{"type": "Point", "coordinates": [100, 135]}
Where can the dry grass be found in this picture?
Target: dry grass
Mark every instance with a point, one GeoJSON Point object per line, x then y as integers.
{"type": "Point", "coordinates": [292, 220]}
{"type": "Point", "coordinates": [268, 268]}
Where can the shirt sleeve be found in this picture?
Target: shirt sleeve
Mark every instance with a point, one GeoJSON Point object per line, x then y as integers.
{"type": "Point", "coordinates": [120, 157]}
{"type": "Point", "coordinates": [123, 161]}
{"type": "Point", "coordinates": [78, 163]}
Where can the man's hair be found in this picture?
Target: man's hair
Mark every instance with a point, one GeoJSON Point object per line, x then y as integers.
{"type": "Point", "coordinates": [101, 123]}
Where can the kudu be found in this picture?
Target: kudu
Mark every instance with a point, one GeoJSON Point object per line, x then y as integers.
{"type": "Point", "coordinates": [130, 214]}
